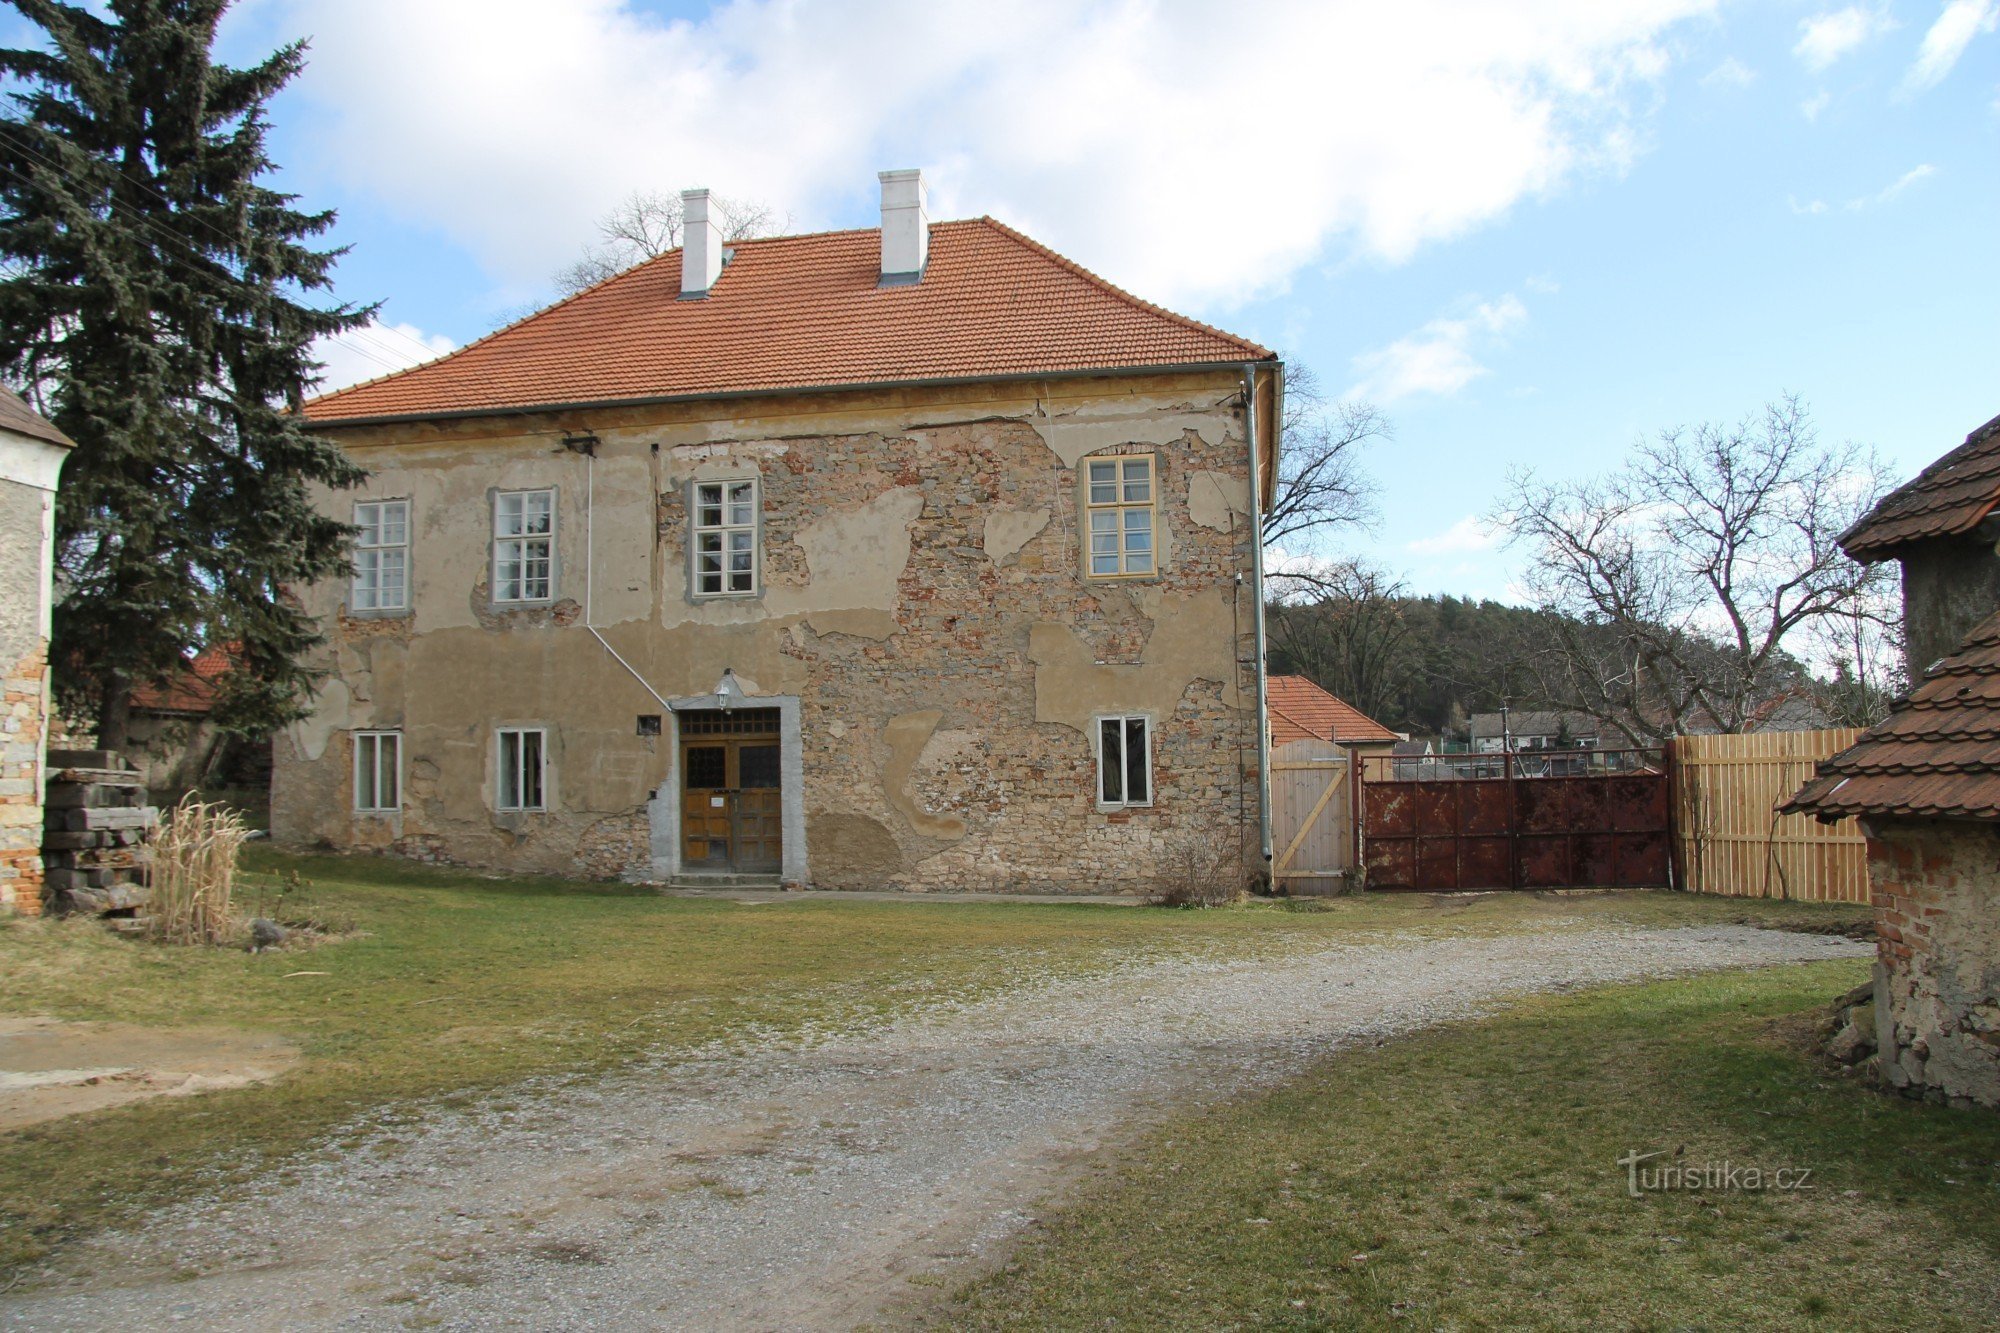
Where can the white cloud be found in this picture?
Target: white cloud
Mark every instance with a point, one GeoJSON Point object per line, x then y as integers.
{"type": "Point", "coordinates": [375, 349]}
{"type": "Point", "coordinates": [1731, 73]}
{"type": "Point", "coordinates": [1469, 534]}
{"type": "Point", "coordinates": [1892, 189]}
{"type": "Point", "coordinates": [1127, 134]}
{"type": "Point", "coordinates": [1961, 21]}
{"type": "Point", "coordinates": [1825, 38]}
{"type": "Point", "coordinates": [1812, 106]}
{"type": "Point", "coordinates": [1441, 357]}
{"type": "Point", "coordinates": [1808, 209]}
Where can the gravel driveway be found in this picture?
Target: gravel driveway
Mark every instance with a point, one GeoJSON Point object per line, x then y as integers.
{"type": "Point", "coordinates": [802, 1186]}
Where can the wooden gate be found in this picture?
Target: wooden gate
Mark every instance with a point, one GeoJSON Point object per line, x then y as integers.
{"type": "Point", "coordinates": [1312, 817]}
{"type": "Point", "coordinates": [1733, 841]}
{"type": "Point", "coordinates": [1545, 820]}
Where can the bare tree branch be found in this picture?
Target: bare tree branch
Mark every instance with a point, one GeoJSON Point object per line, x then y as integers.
{"type": "Point", "coordinates": [1691, 577]}
{"type": "Point", "coordinates": [647, 223]}
{"type": "Point", "coordinates": [1321, 481]}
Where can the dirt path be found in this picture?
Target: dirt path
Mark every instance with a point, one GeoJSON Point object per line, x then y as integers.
{"type": "Point", "coordinates": [784, 1187]}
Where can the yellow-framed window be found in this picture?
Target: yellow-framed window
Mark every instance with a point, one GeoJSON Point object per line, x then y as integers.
{"type": "Point", "coordinates": [1120, 516]}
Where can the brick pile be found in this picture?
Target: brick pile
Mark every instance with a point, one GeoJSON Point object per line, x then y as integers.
{"type": "Point", "coordinates": [97, 831]}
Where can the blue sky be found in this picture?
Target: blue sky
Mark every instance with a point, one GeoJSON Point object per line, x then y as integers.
{"type": "Point", "coordinates": [1530, 233]}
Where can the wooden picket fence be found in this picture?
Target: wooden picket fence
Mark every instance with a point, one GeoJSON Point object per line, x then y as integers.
{"type": "Point", "coordinates": [1731, 838]}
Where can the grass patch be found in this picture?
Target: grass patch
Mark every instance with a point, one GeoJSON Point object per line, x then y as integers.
{"type": "Point", "coordinates": [454, 984]}
{"type": "Point", "coordinates": [1468, 1178]}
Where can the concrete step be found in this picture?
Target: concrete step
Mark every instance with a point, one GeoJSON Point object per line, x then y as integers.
{"type": "Point", "coordinates": [723, 880]}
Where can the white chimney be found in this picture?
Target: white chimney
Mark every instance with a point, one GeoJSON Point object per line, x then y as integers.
{"type": "Point", "coordinates": [701, 246]}
{"type": "Point", "coordinates": [906, 227]}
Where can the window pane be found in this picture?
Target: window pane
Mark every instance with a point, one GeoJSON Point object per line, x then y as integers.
{"type": "Point", "coordinates": [708, 493]}
{"type": "Point", "coordinates": [1139, 563]}
{"type": "Point", "coordinates": [1105, 520]}
{"type": "Point", "coordinates": [739, 581]}
{"type": "Point", "coordinates": [507, 516]}
{"type": "Point", "coordinates": [1138, 481]}
{"type": "Point", "coordinates": [739, 562]}
{"type": "Point", "coordinates": [710, 516]}
{"type": "Point", "coordinates": [364, 772]}
{"type": "Point", "coordinates": [368, 519]}
{"type": "Point", "coordinates": [390, 580]}
{"type": "Point", "coordinates": [389, 750]}
{"type": "Point", "coordinates": [1111, 762]}
{"type": "Point", "coordinates": [740, 541]}
{"type": "Point", "coordinates": [1104, 564]}
{"type": "Point", "coordinates": [540, 510]}
{"type": "Point", "coordinates": [510, 764]}
{"type": "Point", "coordinates": [1104, 543]}
{"type": "Point", "coordinates": [709, 541]}
{"type": "Point", "coordinates": [1137, 779]}
{"type": "Point", "coordinates": [366, 580]}
{"type": "Point", "coordinates": [1103, 483]}
{"type": "Point", "coordinates": [531, 770]}
{"type": "Point", "coordinates": [395, 523]}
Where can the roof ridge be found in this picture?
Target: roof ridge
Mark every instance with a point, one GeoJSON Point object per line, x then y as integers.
{"type": "Point", "coordinates": [1104, 284]}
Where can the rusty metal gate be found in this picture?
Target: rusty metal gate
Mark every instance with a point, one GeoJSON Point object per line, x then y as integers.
{"type": "Point", "coordinates": [1547, 820]}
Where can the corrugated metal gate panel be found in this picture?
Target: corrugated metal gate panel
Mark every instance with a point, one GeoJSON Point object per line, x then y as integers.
{"type": "Point", "coordinates": [1587, 831]}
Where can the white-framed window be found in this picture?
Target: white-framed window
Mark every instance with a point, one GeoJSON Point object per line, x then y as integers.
{"type": "Point", "coordinates": [725, 538]}
{"type": "Point", "coordinates": [381, 556]}
{"type": "Point", "coordinates": [1125, 760]}
{"type": "Point", "coordinates": [1119, 510]}
{"type": "Point", "coordinates": [524, 543]}
{"type": "Point", "coordinates": [378, 771]}
{"type": "Point", "coordinates": [523, 768]}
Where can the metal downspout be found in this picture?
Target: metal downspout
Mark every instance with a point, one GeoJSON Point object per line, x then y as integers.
{"type": "Point", "coordinates": [1257, 592]}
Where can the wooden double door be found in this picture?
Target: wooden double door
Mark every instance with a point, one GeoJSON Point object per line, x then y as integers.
{"type": "Point", "coordinates": [732, 798]}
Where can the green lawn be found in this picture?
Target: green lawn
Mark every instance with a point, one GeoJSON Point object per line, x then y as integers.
{"type": "Point", "coordinates": [1469, 1178]}
{"type": "Point", "coordinates": [458, 984]}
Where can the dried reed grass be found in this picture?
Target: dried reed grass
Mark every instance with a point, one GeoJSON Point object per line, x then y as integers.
{"type": "Point", "coordinates": [194, 873]}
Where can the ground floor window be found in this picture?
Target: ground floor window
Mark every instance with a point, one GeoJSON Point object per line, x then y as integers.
{"type": "Point", "coordinates": [1124, 761]}
{"type": "Point", "coordinates": [378, 771]}
{"type": "Point", "coordinates": [523, 760]}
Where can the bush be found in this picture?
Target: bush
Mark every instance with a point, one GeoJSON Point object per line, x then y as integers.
{"type": "Point", "coordinates": [1195, 872]}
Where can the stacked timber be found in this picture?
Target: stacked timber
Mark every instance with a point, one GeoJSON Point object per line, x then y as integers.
{"type": "Point", "coordinates": [97, 832]}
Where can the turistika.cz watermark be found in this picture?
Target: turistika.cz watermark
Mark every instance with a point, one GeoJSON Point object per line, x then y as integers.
{"type": "Point", "coordinates": [1707, 1177]}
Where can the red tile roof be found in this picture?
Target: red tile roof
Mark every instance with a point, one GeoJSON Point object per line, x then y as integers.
{"type": "Point", "coordinates": [1301, 710]}
{"type": "Point", "coordinates": [1950, 497]}
{"type": "Point", "coordinates": [190, 689]}
{"type": "Point", "coordinates": [1937, 755]}
{"type": "Point", "coordinates": [801, 312]}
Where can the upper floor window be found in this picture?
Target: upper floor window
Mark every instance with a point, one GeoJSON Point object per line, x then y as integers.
{"type": "Point", "coordinates": [378, 771]}
{"type": "Point", "coordinates": [381, 556]}
{"type": "Point", "coordinates": [725, 538]}
{"type": "Point", "coordinates": [1119, 504]}
{"type": "Point", "coordinates": [524, 528]}
{"type": "Point", "coordinates": [523, 766]}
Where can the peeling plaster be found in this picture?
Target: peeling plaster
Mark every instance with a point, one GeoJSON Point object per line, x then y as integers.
{"type": "Point", "coordinates": [1008, 530]}
{"type": "Point", "coordinates": [906, 736]}
{"type": "Point", "coordinates": [1214, 498]}
{"type": "Point", "coordinates": [1085, 430]}
{"type": "Point", "coordinates": [1193, 639]}
{"type": "Point", "coordinates": [311, 733]}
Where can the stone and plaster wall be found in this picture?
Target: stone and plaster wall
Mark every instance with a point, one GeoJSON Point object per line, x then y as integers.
{"type": "Point", "coordinates": [1949, 586]}
{"type": "Point", "coordinates": [1936, 889]}
{"type": "Point", "coordinates": [923, 598]}
{"type": "Point", "coordinates": [28, 469]}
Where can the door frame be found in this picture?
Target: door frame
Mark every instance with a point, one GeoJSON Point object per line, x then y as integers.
{"type": "Point", "coordinates": [664, 809]}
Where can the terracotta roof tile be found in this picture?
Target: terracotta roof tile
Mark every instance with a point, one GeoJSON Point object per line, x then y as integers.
{"type": "Point", "coordinates": [1951, 496]}
{"type": "Point", "coordinates": [191, 689]}
{"type": "Point", "coordinates": [1936, 756]}
{"type": "Point", "coordinates": [1301, 710]}
{"type": "Point", "coordinates": [798, 312]}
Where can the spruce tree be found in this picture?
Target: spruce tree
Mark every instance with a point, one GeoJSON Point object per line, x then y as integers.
{"type": "Point", "coordinates": [157, 302]}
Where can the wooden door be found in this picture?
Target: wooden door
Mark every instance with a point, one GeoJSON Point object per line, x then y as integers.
{"type": "Point", "coordinates": [732, 804]}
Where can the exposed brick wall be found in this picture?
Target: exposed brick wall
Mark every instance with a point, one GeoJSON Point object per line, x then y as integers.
{"type": "Point", "coordinates": [21, 749]}
{"type": "Point", "coordinates": [1936, 890]}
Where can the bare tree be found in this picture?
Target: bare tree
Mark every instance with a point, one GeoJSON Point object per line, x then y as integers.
{"type": "Point", "coordinates": [1321, 481]}
{"type": "Point", "coordinates": [1687, 580]}
{"type": "Point", "coordinates": [647, 223]}
{"type": "Point", "coordinates": [1343, 626]}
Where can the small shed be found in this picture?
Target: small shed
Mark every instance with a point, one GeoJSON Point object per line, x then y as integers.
{"type": "Point", "coordinates": [1925, 784]}
{"type": "Point", "coordinates": [31, 455]}
{"type": "Point", "coordinates": [1317, 743]}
